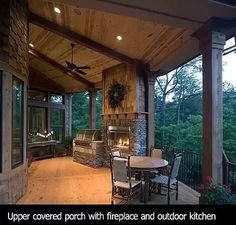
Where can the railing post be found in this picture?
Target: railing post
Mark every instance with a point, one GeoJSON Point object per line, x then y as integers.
{"type": "Point", "coordinates": [225, 169]}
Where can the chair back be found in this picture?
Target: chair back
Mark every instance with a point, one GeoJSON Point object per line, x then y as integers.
{"type": "Point", "coordinates": [115, 152]}
{"type": "Point", "coordinates": [120, 168]}
{"type": "Point", "coordinates": [175, 166]}
{"type": "Point", "coordinates": [156, 152]}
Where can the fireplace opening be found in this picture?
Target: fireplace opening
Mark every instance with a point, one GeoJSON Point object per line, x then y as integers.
{"type": "Point", "coordinates": [119, 137]}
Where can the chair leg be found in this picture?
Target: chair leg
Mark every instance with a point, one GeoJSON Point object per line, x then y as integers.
{"type": "Point", "coordinates": [129, 196]}
{"type": "Point", "coordinates": [112, 196]}
{"type": "Point", "coordinates": [141, 194]}
{"type": "Point", "coordinates": [150, 190]}
{"type": "Point", "coordinates": [177, 190]}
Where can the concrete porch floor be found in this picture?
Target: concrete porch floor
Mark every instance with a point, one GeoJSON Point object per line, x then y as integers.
{"type": "Point", "coordinates": [63, 181]}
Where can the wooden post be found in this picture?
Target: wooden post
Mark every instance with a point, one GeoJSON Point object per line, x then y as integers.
{"type": "Point", "coordinates": [92, 108]}
{"type": "Point", "coordinates": [68, 114]}
{"type": "Point", "coordinates": [150, 101]}
{"type": "Point", "coordinates": [212, 44]}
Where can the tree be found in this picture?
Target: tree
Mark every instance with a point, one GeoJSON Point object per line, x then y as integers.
{"type": "Point", "coordinates": [99, 110]}
{"type": "Point", "coordinates": [164, 87]}
{"type": "Point", "coordinates": [183, 82]}
{"type": "Point", "coordinates": [80, 111]}
{"type": "Point", "coordinates": [188, 86]}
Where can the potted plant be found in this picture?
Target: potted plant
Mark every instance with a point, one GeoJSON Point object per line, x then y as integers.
{"type": "Point", "coordinates": [215, 194]}
{"type": "Point", "coordinates": [68, 145]}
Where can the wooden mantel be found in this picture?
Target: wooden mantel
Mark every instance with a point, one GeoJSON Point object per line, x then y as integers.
{"type": "Point", "coordinates": [125, 115]}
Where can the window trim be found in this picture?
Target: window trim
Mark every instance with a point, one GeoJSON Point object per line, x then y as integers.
{"type": "Point", "coordinates": [13, 166]}
{"type": "Point", "coordinates": [37, 90]}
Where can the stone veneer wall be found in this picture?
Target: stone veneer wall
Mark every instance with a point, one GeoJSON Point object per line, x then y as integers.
{"type": "Point", "coordinates": [89, 155]}
{"type": "Point", "coordinates": [13, 62]}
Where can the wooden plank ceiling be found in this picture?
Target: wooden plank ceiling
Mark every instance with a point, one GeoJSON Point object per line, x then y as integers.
{"type": "Point", "coordinates": [147, 41]}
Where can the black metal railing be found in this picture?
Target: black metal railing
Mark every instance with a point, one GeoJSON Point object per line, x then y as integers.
{"type": "Point", "coordinates": [190, 171]}
{"type": "Point", "coordinates": [229, 173]}
{"type": "Point", "coordinates": [191, 168]}
{"type": "Point", "coordinates": [232, 176]}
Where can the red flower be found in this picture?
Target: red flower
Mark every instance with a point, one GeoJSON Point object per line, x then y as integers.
{"type": "Point", "coordinates": [209, 179]}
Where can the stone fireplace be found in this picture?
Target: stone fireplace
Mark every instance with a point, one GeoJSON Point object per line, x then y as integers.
{"type": "Point", "coordinates": [119, 137]}
{"type": "Point", "coordinates": [129, 135]}
{"type": "Point", "coordinates": [125, 127]}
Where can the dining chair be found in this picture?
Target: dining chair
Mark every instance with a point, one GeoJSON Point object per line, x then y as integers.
{"type": "Point", "coordinates": [115, 152]}
{"type": "Point", "coordinates": [170, 182]}
{"type": "Point", "coordinates": [156, 152]}
{"type": "Point", "coordinates": [123, 186]}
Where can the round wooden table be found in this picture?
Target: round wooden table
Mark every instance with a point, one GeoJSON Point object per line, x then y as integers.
{"type": "Point", "coordinates": [146, 164]}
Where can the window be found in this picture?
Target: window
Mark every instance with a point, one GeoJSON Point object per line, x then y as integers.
{"type": "Point", "coordinates": [37, 122]}
{"type": "Point", "coordinates": [0, 121]}
{"type": "Point", "coordinates": [17, 121]}
{"type": "Point", "coordinates": [37, 95]}
{"type": "Point", "coordinates": [58, 124]}
{"type": "Point", "coordinates": [56, 98]}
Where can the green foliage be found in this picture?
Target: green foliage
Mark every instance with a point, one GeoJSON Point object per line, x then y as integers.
{"type": "Point", "coordinates": [178, 113]}
{"type": "Point", "coordinates": [213, 194]}
{"type": "Point", "coordinates": [185, 135]}
{"type": "Point", "coordinates": [99, 110]}
{"type": "Point", "coordinates": [68, 145]}
{"type": "Point", "coordinates": [80, 111]}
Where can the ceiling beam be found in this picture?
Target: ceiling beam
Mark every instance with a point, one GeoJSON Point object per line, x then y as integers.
{"type": "Point", "coordinates": [80, 39]}
{"type": "Point", "coordinates": [41, 81]}
{"type": "Point", "coordinates": [60, 67]}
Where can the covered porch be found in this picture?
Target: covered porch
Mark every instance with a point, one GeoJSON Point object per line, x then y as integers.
{"type": "Point", "coordinates": [113, 44]}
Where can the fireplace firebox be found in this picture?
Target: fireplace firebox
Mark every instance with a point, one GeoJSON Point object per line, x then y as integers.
{"type": "Point", "coordinates": [119, 137]}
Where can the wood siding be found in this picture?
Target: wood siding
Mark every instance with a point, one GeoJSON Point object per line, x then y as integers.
{"type": "Point", "coordinates": [125, 75]}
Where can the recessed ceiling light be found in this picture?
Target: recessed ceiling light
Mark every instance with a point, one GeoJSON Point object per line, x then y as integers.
{"type": "Point", "coordinates": [31, 45]}
{"type": "Point", "coordinates": [57, 10]}
{"type": "Point", "coordinates": [118, 37]}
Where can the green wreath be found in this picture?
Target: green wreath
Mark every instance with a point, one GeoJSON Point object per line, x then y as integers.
{"type": "Point", "coordinates": [116, 94]}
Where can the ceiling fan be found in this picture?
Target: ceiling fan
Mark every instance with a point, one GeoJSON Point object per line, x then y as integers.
{"type": "Point", "coordinates": [73, 67]}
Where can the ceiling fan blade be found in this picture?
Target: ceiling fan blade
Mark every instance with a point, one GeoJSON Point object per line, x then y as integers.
{"type": "Point", "coordinates": [71, 66]}
{"type": "Point", "coordinates": [67, 63]}
{"type": "Point", "coordinates": [80, 71]}
{"type": "Point", "coordinates": [83, 67]}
